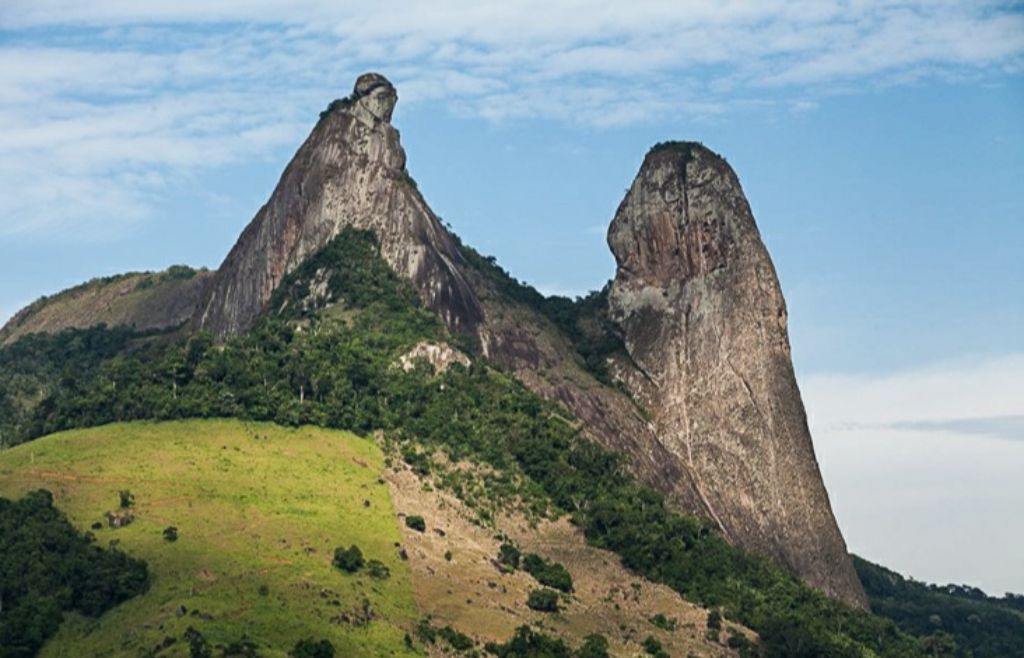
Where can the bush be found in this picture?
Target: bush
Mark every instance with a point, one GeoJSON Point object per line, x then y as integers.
{"type": "Point", "coordinates": [171, 533]}
{"type": "Point", "coordinates": [377, 570]}
{"type": "Point", "coordinates": [543, 600]}
{"type": "Point", "coordinates": [654, 648]}
{"type": "Point", "coordinates": [309, 648]}
{"type": "Point", "coordinates": [455, 639]}
{"type": "Point", "coordinates": [349, 560]}
{"type": "Point", "coordinates": [594, 646]}
{"type": "Point", "coordinates": [663, 622]}
{"type": "Point", "coordinates": [509, 555]}
{"type": "Point", "coordinates": [127, 498]}
{"type": "Point", "coordinates": [244, 648]}
{"type": "Point", "coordinates": [528, 643]}
{"type": "Point", "coordinates": [416, 523]}
{"type": "Point", "coordinates": [198, 647]}
{"type": "Point", "coordinates": [547, 573]}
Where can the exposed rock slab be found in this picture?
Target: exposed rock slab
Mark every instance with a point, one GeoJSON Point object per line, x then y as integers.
{"type": "Point", "coordinates": [439, 356]}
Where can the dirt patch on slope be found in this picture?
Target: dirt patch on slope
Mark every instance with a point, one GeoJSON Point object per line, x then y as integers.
{"type": "Point", "coordinates": [468, 591]}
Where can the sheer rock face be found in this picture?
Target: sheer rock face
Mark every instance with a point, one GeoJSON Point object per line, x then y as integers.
{"type": "Point", "coordinates": [349, 172]}
{"type": "Point", "coordinates": [704, 322]}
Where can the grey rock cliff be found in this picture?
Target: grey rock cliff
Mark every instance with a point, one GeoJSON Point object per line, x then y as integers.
{"type": "Point", "coordinates": [704, 322]}
{"type": "Point", "coordinates": [349, 172]}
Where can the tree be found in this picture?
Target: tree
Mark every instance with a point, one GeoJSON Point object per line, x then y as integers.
{"type": "Point", "coordinates": [509, 555]}
{"type": "Point", "coordinates": [309, 648]}
{"type": "Point", "coordinates": [543, 600]}
{"type": "Point", "coordinates": [594, 646]}
{"type": "Point", "coordinates": [349, 560]}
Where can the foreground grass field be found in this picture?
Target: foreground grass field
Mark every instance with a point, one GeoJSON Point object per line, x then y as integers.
{"type": "Point", "coordinates": [259, 510]}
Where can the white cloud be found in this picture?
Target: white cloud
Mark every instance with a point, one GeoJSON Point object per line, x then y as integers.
{"type": "Point", "coordinates": [159, 89]}
{"type": "Point", "coordinates": [923, 467]}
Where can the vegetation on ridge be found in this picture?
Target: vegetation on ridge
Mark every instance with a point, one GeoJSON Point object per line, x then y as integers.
{"type": "Point", "coordinates": [961, 620]}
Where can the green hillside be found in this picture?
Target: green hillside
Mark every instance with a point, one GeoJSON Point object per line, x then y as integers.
{"type": "Point", "coordinates": [259, 511]}
{"type": "Point", "coordinates": [329, 359]}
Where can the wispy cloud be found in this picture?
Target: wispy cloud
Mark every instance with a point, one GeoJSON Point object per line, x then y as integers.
{"type": "Point", "coordinates": [104, 102]}
{"type": "Point", "coordinates": [941, 396]}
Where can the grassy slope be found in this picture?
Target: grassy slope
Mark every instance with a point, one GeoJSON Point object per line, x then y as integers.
{"type": "Point", "coordinates": [147, 300]}
{"type": "Point", "coordinates": [255, 504]}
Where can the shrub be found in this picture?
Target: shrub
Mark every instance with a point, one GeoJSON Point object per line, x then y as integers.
{"type": "Point", "coordinates": [349, 560]}
{"type": "Point", "coordinates": [416, 523]}
{"type": "Point", "coordinates": [528, 643]}
{"type": "Point", "coordinates": [455, 639]}
{"type": "Point", "coordinates": [310, 648]}
{"type": "Point", "coordinates": [171, 533]}
{"type": "Point", "coordinates": [509, 555]}
{"type": "Point", "coordinates": [653, 647]}
{"type": "Point", "coordinates": [127, 498]}
{"type": "Point", "coordinates": [198, 647]}
{"type": "Point", "coordinates": [663, 622]}
{"type": "Point", "coordinates": [543, 600]}
{"type": "Point", "coordinates": [594, 646]}
{"type": "Point", "coordinates": [377, 570]}
{"type": "Point", "coordinates": [547, 573]}
{"type": "Point", "coordinates": [243, 648]}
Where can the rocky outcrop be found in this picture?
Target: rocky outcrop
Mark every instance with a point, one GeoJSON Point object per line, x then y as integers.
{"type": "Point", "coordinates": [349, 172]}
{"type": "Point", "coordinates": [142, 300]}
{"type": "Point", "coordinates": [439, 356]}
{"type": "Point", "coordinates": [704, 322]}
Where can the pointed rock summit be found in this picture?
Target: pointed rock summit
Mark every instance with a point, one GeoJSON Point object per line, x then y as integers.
{"type": "Point", "coordinates": [704, 321]}
{"type": "Point", "coordinates": [349, 172]}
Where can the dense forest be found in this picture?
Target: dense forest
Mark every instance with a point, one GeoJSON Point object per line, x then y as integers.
{"type": "Point", "coordinates": [48, 568]}
{"type": "Point", "coordinates": [961, 619]}
{"type": "Point", "coordinates": [328, 357]}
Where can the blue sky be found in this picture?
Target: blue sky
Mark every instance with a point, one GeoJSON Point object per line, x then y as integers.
{"type": "Point", "coordinates": [880, 143]}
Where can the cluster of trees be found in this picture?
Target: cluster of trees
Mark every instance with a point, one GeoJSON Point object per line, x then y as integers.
{"type": "Point", "coordinates": [551, 574]}
{"type": "Point", "coordinates": [529, 643]}
{"type": "Point", "coordinates": [429, 634]}
{"type": "Point", "coordinates": [543, 600]}
{"type": "Point", "coordinates": [47, 567]}
{"type": "Point", "coordinates": [545, 572]}
{"type": "Point", "coordinates": [39, 366]}
{"type": "Point", "coordinates": [957, 619]}
{"type": "Point", "coordinates": [328, 358]}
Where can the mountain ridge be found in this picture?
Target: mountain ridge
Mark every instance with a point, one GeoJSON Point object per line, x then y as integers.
{"type": "Point", "coordinates": [350, 172]}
